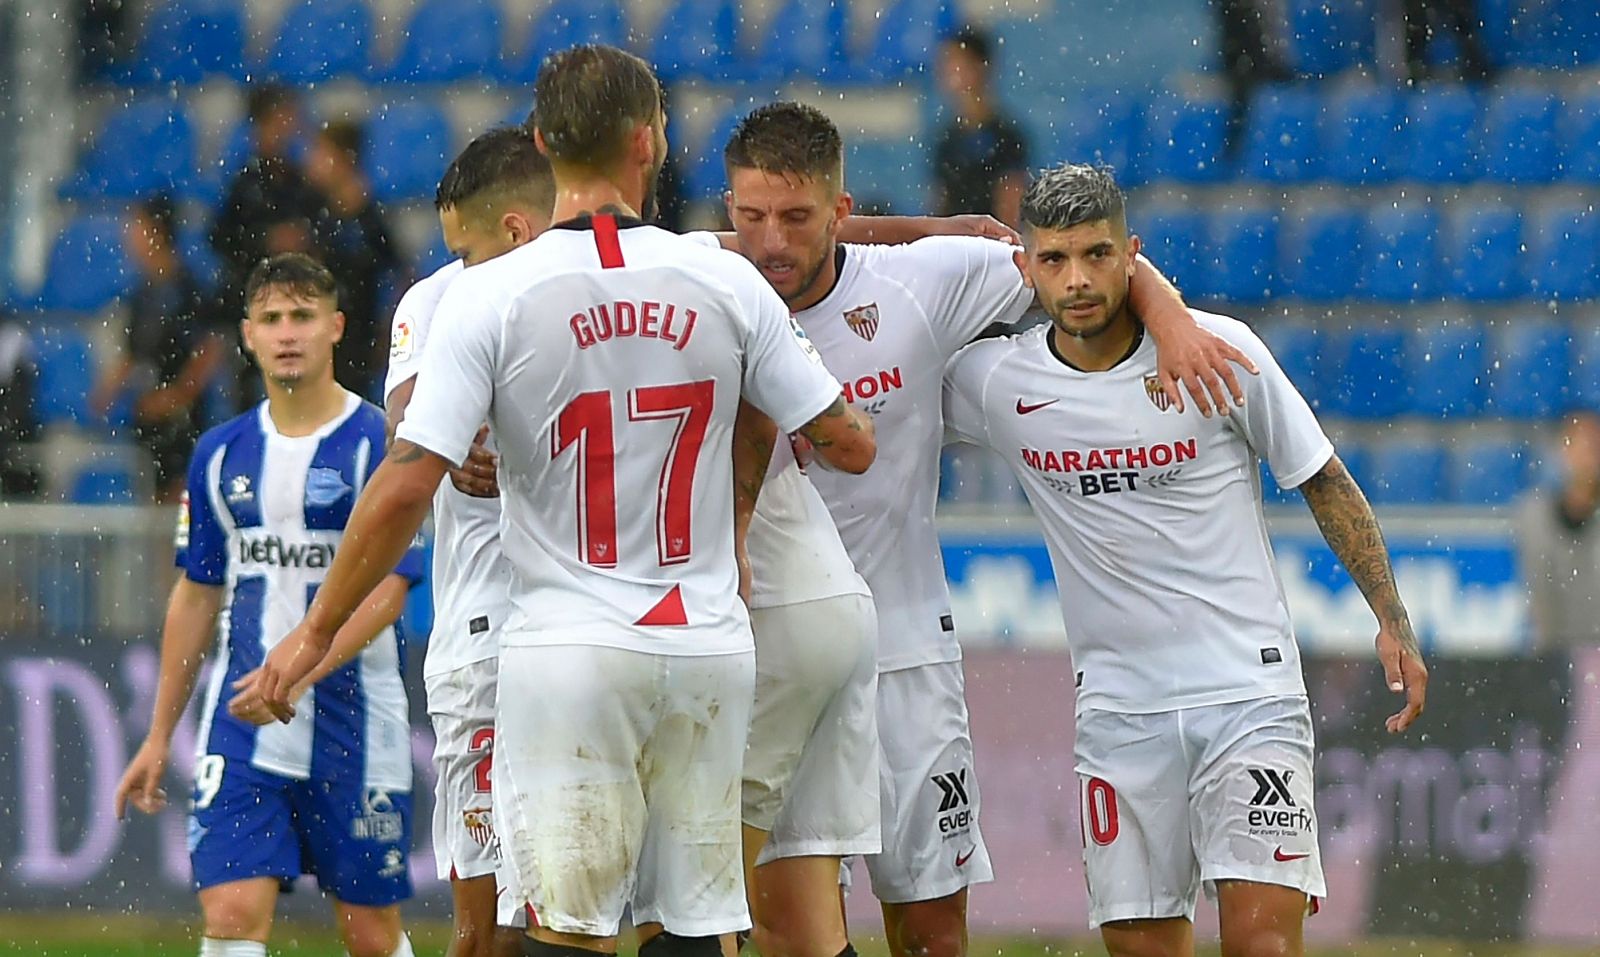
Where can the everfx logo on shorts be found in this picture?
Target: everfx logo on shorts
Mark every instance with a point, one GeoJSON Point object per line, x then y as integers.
{"type": "Point", "coordinates": [1272, 791]}
{"type": "Point", "coordinates": [955, 810]}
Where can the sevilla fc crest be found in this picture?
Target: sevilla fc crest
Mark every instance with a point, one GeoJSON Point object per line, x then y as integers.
{"type": "Point", "coordinates": [1158, 396]}
{"type": "Point", "coordinates": [863, 320]}
{"type": "Point", "coordinates": [479, 822]}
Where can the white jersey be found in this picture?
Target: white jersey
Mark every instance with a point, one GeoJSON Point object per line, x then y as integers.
{"type": "Point", "coordinates": [1152, 518]}
{"type": "Point", "coordinates": [896, 316]}
{"type": "Point", "coordinates": [609, 360]}
{"type": "Point", "coordinates": [471, 578]}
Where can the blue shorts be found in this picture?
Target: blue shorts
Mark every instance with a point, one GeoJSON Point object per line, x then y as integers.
{"type": "Point", "coordinates": [245, 822]}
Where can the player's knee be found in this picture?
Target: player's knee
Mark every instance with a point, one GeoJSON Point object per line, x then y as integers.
{"type": "Point", "coordinates": [671, 945]}
{"type": "Point", "coordinates": [374, 938]}
{"type": "Point", "coordinates": [468, 939]}
{"type": "Point", "coordinates": [1263, 942]}
{"type": "Point", "coordinates": [933, 932]}
{"type": "Point", "coordinates": [237, 918]}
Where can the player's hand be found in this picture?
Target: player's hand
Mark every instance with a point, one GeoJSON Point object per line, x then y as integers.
{"type": "Point", "coordinates": [1403, 671]}
{"type": "Point", "coordinates": [141, 782]}
{"type": "Point", "coordinates": [975, 224]}
{"type": "Point", "coordinates": [284, 669]}
{"type": "Point", "coordinates": [1202, 362]}
{"type": "Point", "coordinates": [478, 475]}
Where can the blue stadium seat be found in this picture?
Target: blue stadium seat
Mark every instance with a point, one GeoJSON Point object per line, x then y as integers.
{"type": "Point", "coordinates": [1564, 252]}
{"type": "Point", "coordinates": [893, 171]}
{"type": "Point", "coordinates": [408, 147]}
{"type": "Point", "coordinates": [1319, 259]}
{"type": "Point", "coordinates": [194, 248]}
{"type": "Point", "coordinates": [66, 373]}
{"type": "Point", "coordinates": [1174, 238]}
{"type": "Point", "coordinates": [1519, 137]}
{"type": "Point", "coordinates": [102, 485]}
{"type": "Point", "coordinates": [699, 39]}
{"type": "Point", "coordinates": [1093, 127]}
{"type": "Point", "coordinates": [1482, 253]}
{"type": "Point", "coordinates": [1297, 347]}
{"type": "Point", "coordinates": [448, 40]}
{"type": "Point", "coordinates": [963, 475]}
{"type": "Point", "coordinates": [1325, 38]}
{"type": "Point", "coordinates": [87, 268]}
{"type": "Point", "coordinates": [1405, 472]}
{"type": "Point", "coordinates": [1244, 243]}
{"type": "Point", "coordinates": [185, 41]}
{"type": "Point", "coordinates": [909, 32]}
{"type": "Point", "coordinates": [1362, 137]}
{"type": "Point", "coordinates": [144, 147]}
{"type": "Point", "coordinates": [1446, 369]}
{"type": "Point", "coordinates": [566, 23]}
{"type": "Point", "coordinates": [1441, 142]}
{"type": "Point", "coordinates": [321, 40]}
{"type": "Point", "coordinates": [1584, 382]}
{"type": "Point", "coordinates": [806, 39]}
{"type": "Point", "coordinates": [1184, 140]}
{"type": "Point", "coordinates": [1580, 138]}
{"type": "Point", "coordinates": [703, 174]}
{"type": "Point", "coordinates": [1488, 471]}
{"type": "Point", "coordinates": [1281, 136]}
{"type": "Point", "coordinates": [1399, 250]}
{"type": "Point", "coordinates": [1529, 369]}
{"type": "Point", "coordinates": [1363, 372]}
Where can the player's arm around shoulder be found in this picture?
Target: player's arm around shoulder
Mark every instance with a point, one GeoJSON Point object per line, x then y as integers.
{"type": "Point", "coordinates": [966, 383]}
{"type": "Point", "coordinates": [1189, 356]}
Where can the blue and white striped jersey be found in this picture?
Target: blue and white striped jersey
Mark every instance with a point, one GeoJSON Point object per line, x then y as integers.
{"type": "Point", "coordinates": [263, 516]}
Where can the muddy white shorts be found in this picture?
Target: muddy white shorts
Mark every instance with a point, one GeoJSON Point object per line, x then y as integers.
{"type": "Point", "coordinates": [461, 707]}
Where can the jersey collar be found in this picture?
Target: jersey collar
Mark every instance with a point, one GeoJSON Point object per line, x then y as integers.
{"type": "Point", "coordinates": [586, 222]}
{"type": "Point", "coordinates": [1133, 349]}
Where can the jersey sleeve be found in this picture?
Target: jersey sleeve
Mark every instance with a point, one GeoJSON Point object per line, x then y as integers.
{"type": "Point", "coordinates": [964, 382]}
{"type": "Point", "coordinates": [202, 546]}
{"type": "Point", "coordinates": [970, 284]}
{"type": "Point", "coordinates": [455, 380]}
{"type": "Point", "coordinates": [408, 331]}
{"type": "Point", "coordinates": [1275, 418]}
{"type": "Point", "coordinates": [783, 374]}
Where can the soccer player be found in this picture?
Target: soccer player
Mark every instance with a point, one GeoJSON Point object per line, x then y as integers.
{"type": "Point", "coordinates": [608, 357]}
{"type": "Point", "coordinates": [1194, 740]}
{"type": "Point", "coordinates": [886, 320]}
{"type": "Point", "coordinates": [495, 196]}
{"type": "Point", "coordinates": [329, 792]}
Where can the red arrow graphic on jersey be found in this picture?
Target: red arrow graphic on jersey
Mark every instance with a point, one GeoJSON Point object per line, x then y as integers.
{"type": "Point", "coordinates": [1024, 408]}
{"type": "Point", "coordinates": [1282, 858]}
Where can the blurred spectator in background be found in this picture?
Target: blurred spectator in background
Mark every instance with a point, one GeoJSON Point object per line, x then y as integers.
{"type": "Point", "coordinates": [1248, 58]}
{"type": "Point", "coordinates": [19, 418]}
{"type": "Point", "coordinates": [980, 159]}
{"type": "Point", "coordinates": [352, 237]}
{"type": "Point", "coordinates": [1424, 21]}
{"type": "Point", "coordinates": [102, 37]}
{"type": "Point", "coordinates": [1558, 542]}
{"type": "Point", "coordinates": [172, 350]}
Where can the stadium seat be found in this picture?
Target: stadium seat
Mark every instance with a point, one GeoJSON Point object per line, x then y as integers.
{"type": "Point", "coordinates": [1487, 471]}
{"type": "Point", "coordinates": [1405, 472]}
{"type": "Point", "coordinates": [320, 40]}
{"type": "Point", "coordinates": [188, 40]}
{"type": "Point", "coordinates": [1184, 140]}
{"type": "Point", "coordinates": [699, 39]}
{"type": "Point", "coordinates": [704, 176]}
{"type": "Point", "coordinates": [1271, 494]}
{"type": "Point", "coordinates": [1363, 372]}
{"type": "Point", "coordinates": [1482, 253]}
{"type": "Point", "coordinates": [1580, 138]}
{"type": "Point", "coordinates": [1584, 381]}
{"type": "Point", "coordinates": [1519, 142]}
{"type": "Point", "coordinates": [1173, 240]}
{"type": "Point", "coordinates": [1244, 243]}
{"type": "Point", "coordinates": [1361, 136]}
{"type": "Point", "coordinates": [448, 40]}
{"type": "Point", "coordinates": [1280, 140]}
{"type": "Point", "coordinates": [1297, 347]}
{"type": "Point", "coordinates": [908, 31]}
{"type": "Point", "coordinates": [66, 374]}
{"type": "Point", "coordinates": [1399, 254]}
{"type": "Point", "coordinates": [1325, 38]}
{"type": "Point", "coordinates": [563, 24]}
{"type": "Point", "coordinates": [1441, 141]}
{"type": "Point", "coordinates": [806, 40]}
{"type": "Point", "coordinates": [87, 268]}
{"type": "Point", "coordinates": [143, 147]}
{"type": "Point", "coordinates": [408, 147]}
{"type": "Point", "coordinates": [963, 477]}
{"type": "Point", "coordinates": [1320, 254]}
{"type": "Point", "coordinates": [1529, 369]}
{"type": "Point", "coordinates": [102, 485]}
{"type": "Point", "coordinates": [1094, 127]}
{"type": "Point", "coordinates": [1445, 369]}
{"type": "Point", "coordinates": [891, 171]}
{"type": "Point", "coordinates": [194, 248]}
{"type": "Point", "coordinates": [1564, 252]}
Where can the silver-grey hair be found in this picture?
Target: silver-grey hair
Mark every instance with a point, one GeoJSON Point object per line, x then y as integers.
{"type": "Point", "coordinates": [1071, 194]}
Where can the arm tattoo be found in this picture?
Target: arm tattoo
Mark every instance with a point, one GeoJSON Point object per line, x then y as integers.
{"type": "Point", "coordinates": [838, 409]}
{"type": "Point", "coordinates": [1352, 531]}
{"type": "Point", "coordinates": [403, 452]}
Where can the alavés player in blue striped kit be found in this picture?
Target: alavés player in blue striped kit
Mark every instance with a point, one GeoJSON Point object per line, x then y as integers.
{"type": "Point", "coordinates": [329, 792]}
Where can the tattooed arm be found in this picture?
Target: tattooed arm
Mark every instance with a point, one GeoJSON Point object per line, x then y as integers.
{"type": "Point", "coordinates": [753, 437]}
{"type": "Point", "coordinates": [1351, 530]}
{"type": "Point", "coordinates": [842, 438]}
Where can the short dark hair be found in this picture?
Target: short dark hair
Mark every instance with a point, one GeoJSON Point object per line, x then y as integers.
{"type": "Point", "coordinates": [267, 99]}
{"type": "Point", "coordinates": [161, 214]}
{"type": "Point", "coordinates": [1073, 193]}
{"type": "Point", "coordinates": [787, 137]}
{"type": "Point", "coordinates": [347, 136]}
{"type": "Point", "coordinates": [496, 166]}
{"type": "Point", "coordinates": [296, 273]}
{"type": "Point", "coordinates": [587, 98]}
{"type": "Point", "coordinates": [975, 41]}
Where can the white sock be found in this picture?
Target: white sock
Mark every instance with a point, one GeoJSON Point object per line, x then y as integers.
{"type": "Point", "coordinates": [404, 948]}
{"type": "Point", "coordinates": [217, 947]}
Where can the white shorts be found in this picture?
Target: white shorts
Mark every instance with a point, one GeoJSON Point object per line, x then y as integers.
{"type": "Point", "coordinates": [461, 706]}
{"type": "Point", "coordinates": [616, 783]}
{"type": "Point", "coordinates": [1180, 799]}
{"type": "Point", "coordinates": [932, 846]}
{"type": "Point", "coordinates": [811, 770]}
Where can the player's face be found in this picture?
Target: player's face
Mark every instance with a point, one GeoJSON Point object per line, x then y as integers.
{"type": "Point", "coordinates": [477, 237]}
{"type": "Point", "coordinates": [292, 336]}
{"type": "Point", "coordinates": [1081, 274]}
{"type": "Point", "coordinates": [787, 226]}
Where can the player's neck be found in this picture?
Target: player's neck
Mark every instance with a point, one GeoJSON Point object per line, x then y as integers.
{"type": "Point", "coordinates": [821, 287]}
{"type": "Point", "coordinates": [581, 196]}
{"type": "Point", "coordinates": [1099, 353]}
{"type": "Point", "coordinates": [304, 407]}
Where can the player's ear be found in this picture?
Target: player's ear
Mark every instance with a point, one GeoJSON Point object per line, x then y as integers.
{"type": "Point", "coordinates": [1134, 248]}
{"type": "Point", "coordinates": [517, 227]}
{"type": "Point", "coordinates": [338, 325]}
{"type": "Point", "coordinates": [538, 142]}
{"type": "Point", "coordinates": [727, 203]}
{"type": "Point", "coordinates": [843, 206]}
{"type": "Point", "coordinates": [1020, 258]}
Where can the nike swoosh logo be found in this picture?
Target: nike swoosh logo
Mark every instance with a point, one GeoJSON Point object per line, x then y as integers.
{"type": "Point", "coordinates": [962, 859]}
{"type": "Point", "coordinates": [1282, 858]}
{"type": "Point", "coordinates": [1023, 408]}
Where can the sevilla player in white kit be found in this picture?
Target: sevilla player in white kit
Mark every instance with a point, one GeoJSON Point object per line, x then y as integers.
{"type": "Point", "coordinates": [608, 358]}
{"type": "Point", "coordinates": [1194, 740]}
{"type": "Point", "coordinates": [886, 320]}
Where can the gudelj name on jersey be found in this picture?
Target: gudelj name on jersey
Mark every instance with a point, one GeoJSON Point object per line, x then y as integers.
{"type": "Point", "coordinates": [274, 551]}
{"type": "Point", "coordinates": [646, 320]}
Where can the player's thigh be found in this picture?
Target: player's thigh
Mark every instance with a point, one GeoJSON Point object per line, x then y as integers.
{"type": "Point", "coordinates": [368, 931]}
{"type": "Point", "coordinates": [241, 909]}
{"type": "Point", "coordinates": [929, 794]}
{"type": "Point", "coordinates": [690, 869]}
{"type": "Point", "coordinates": [241, 824]}
{"type": "Point", "coordinates": [1139, 859]}
{"type": "Point", "coordinates": [1252, 793]}
{"type": "Point", "coordinates": [356, 838]}
{"type": "Point", "coordinates": [461, 708]}
{"type": "Point", "coordinates": [568, 779]}
{"type": "Point", "coordinates": [796, 908]}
